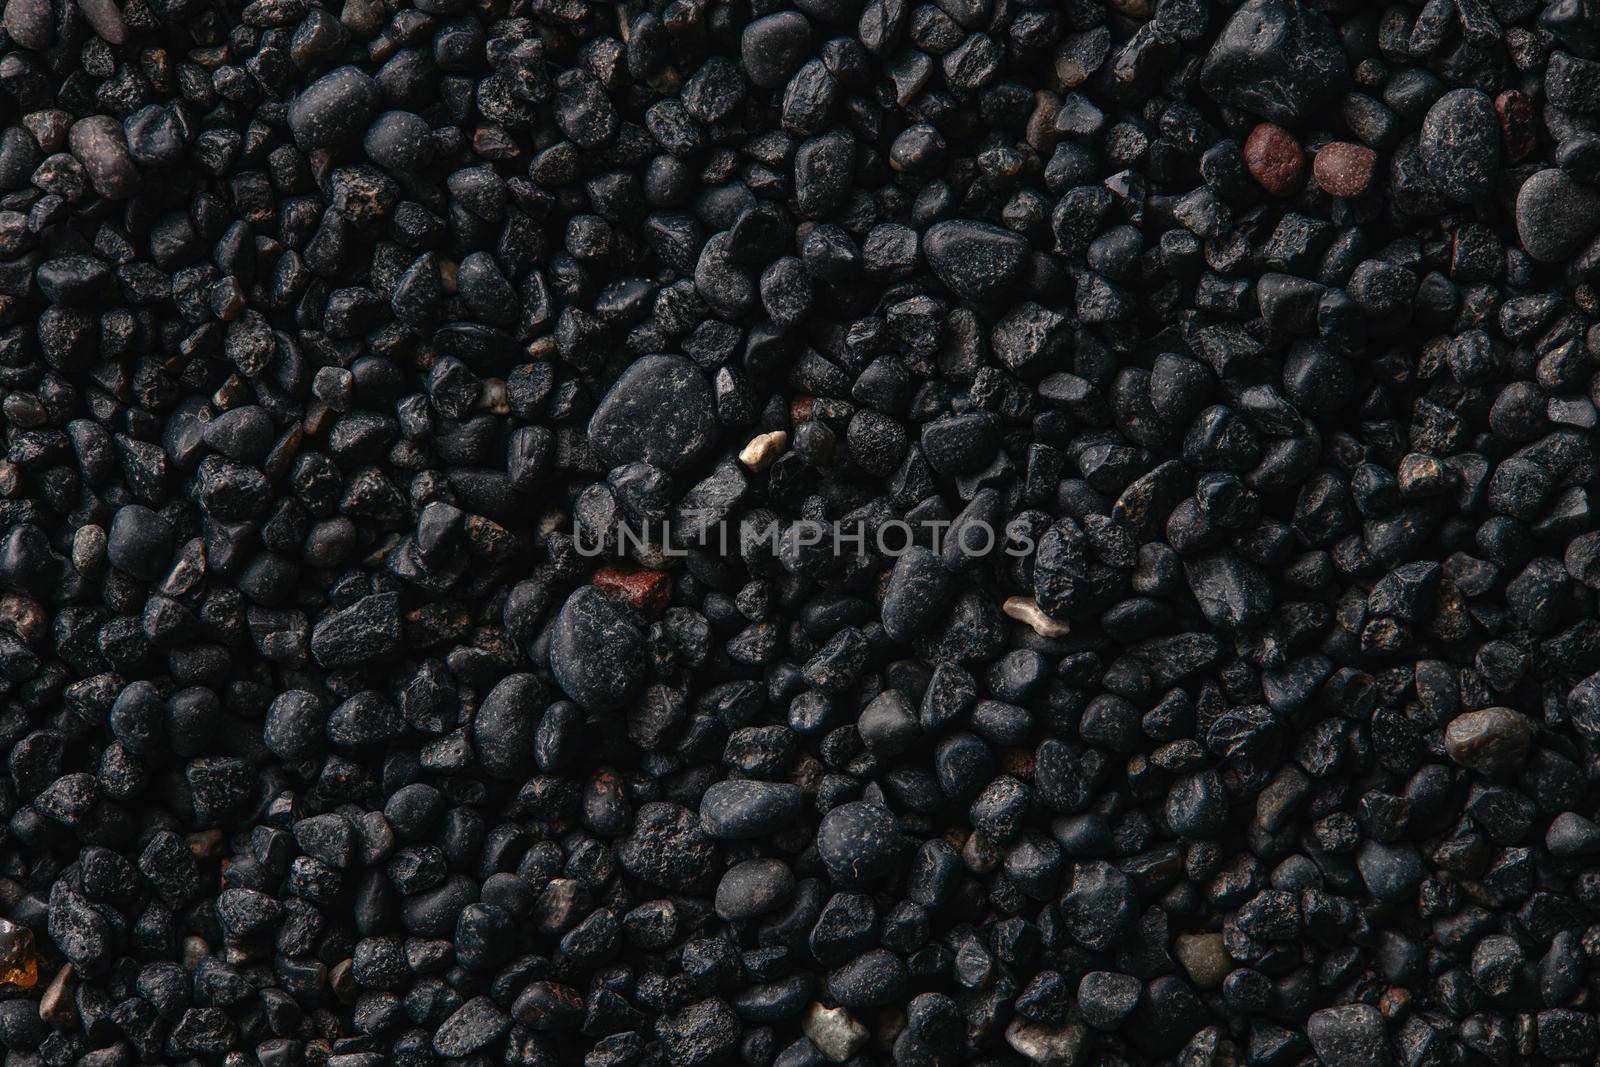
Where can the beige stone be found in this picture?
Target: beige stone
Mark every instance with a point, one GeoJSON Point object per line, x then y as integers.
{"type": "Point", "coordinates": [836, 1035]}
{"type": "Point", "coordinates": [1062, 1046]}
{"type": "Point", "coordinates": [57, 1009]}
{"type": "Point", "coordinates": [1026, 609]}
{"type": "Point", "coordinates": [1203, 956]}
{"type": "Point", "coordinates": [1489, 740]}
{"type": "Point", "coordinates": [492, 397]}
{"type": "Point", "coordinates": [764, 449]}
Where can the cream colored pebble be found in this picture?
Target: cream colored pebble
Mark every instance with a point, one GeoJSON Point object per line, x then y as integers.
{"type": "Point", "coordinates": [1026, 609]}
{"type": "Point", "coordinates": [764, 449]}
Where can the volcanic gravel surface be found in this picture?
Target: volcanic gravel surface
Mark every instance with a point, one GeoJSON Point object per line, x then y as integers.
{"type": "Point", "coordinates": [686, 533]}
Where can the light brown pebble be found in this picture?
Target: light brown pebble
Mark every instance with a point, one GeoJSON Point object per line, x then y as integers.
{"type": "Point", "coordinates": [493, 398]}
{"type": "Point", "coordinates": [836, 1035]}
{"type": "Point", "coordinates": [1037, 1043]}
{"type": "Point", "coordinates": [1489, 740]}
{"type": "Point", "coordinates": [1203, 956]}
{"type": "Point", "coordinates": [89, 550]}
{"type": "Point", "coordinates": [1343, 169]}
{"type": "Point", "coordinates": [1026, 609]}
{"type": "Point", "coordinates": [193, 950]}
{"type": "Point", "coordinates": [764, 449]}
{"type": "Point", "coordinates": [56, 1008]}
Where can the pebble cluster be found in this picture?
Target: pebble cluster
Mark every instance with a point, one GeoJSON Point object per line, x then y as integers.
{"type": "Point", "coordinates": [426, 634]}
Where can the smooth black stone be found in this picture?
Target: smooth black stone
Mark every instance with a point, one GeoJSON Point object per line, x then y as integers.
{"type": "Point", "coordinates": [859, 842]}
{"type": "Point", "coordinates": [505, 728]}
{"type": "Point", "coordinates": [920, 588]}
{"type": "Point", "coordinates": [330, 114]}
{"type": "Point", "coordinates": [1278, 59]}
{"type": "Point", "coordinates": [596, 650]}
{"type": "Point", "coordinates": [660, 411]}
{"type": "Point", "coordinates": [140, 543]}
{"type": "Point", "coordinates": [975, 260]}
{"type": "Point", "coordinates": [748, 809]}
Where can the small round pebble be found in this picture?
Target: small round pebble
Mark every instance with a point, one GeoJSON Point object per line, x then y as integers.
{"type": "Point", "coordinates": [1275, 159]}
{"type": "Point", "coordinates": [859, 842]}
{"type": "Point", "coordinates": [1343, 169]}
{"type": "Point", "coordinates": [753, 888]}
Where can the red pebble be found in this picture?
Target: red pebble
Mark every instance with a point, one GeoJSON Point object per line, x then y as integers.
{"type": "Point", "coordinates": [1343, 169]}
{"type": "Point", "coordinates": [647, 590]}
{"type": "Point", "coordinates": [1515, 112]}
{"type": "Point", "coordinates": [1275, 159]}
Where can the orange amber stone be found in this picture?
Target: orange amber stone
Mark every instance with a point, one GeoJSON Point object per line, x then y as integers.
{"type": "Point", "coordinates": [19, 964]}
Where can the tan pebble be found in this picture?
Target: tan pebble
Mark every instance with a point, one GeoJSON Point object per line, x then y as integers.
{"type": "Point", "coordinates": [492, 397]}
{"type": "Point", "coordinates": [233, 392]}
{"type": "Point", "coordinates": [1066, 1044]}
{"type": "Point", "coordinates": [89, 549]}
{"type": "Point", "coordinates": [1203, 956]}
{"type": "Point", "coordinates": [100, 145]}
{"type": "Point", "coordinates": [1489, 740]}
{"type": "Point", "coordinates": [836, 1035]}
{"type": "Point", "coordinates": [56, 1008]}
{"type": "Point", "coordinates": [194, 950]}
{"type": "Point", "coordinates": [1026, 609]}
{"type": "Point", "coordinates": [764, 449]}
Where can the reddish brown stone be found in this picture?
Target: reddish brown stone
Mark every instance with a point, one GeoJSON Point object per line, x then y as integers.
{"type": "Point", "coordinates": [1395, 1003]}
{"type": "Point", "coordinates": [493, 142]}
{"type": "Point", "coordinates": [800, 408]}
{"type": "Point", "coordinates": [1275, 159]}
{"type": "Point", "coordinates": [645, 589]}
{"type": "Point", "coordinates": [1515, 112]}
{"type": "Point", "coordinates": [1017, 762]}
{"type": "Point", "coordinates": [205, 844]}
{"type": "Point", "coordinates": [1343, 169]}
{"type": "Point", "coordinates": [24, 617]}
